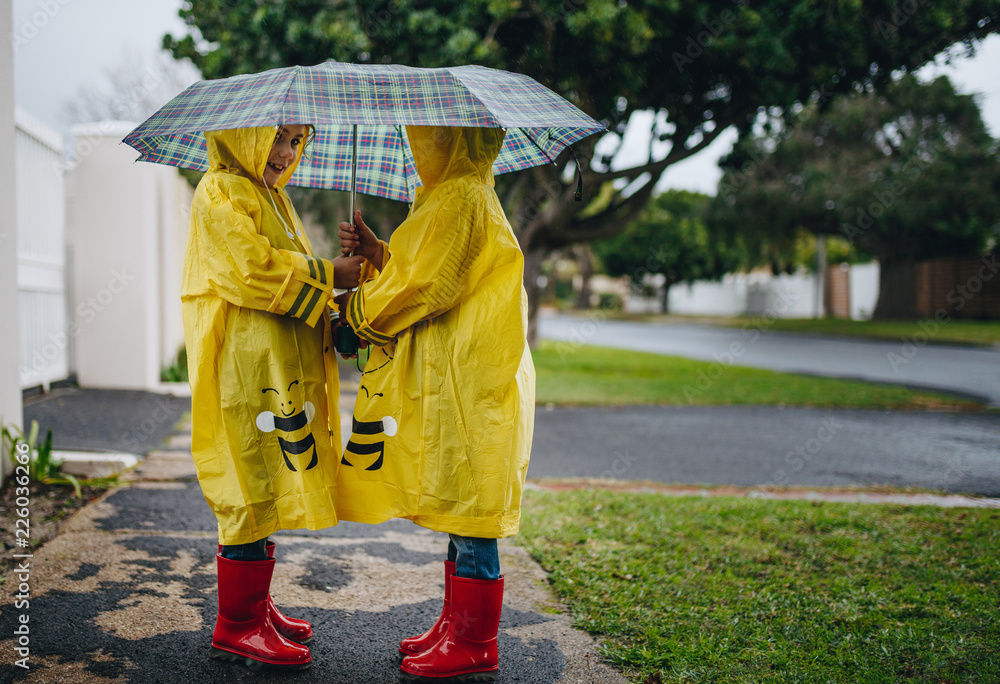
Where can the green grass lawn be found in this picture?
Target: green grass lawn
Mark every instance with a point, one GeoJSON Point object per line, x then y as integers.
{"type": "Point", "coordinates": [587, 375]}
{"type": "Point", "coordinates": [750, 591]}
{"type": "Point", "coordinates": [964, 332]}
{"type": "Point", "coordinates": [927, 331]}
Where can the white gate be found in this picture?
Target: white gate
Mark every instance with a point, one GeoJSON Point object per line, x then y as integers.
{"type": "Point", "coordinates": [41, 253]}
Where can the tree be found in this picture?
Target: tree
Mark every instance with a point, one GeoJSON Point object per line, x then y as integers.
{"type": "Point", "coordinates": [131, 91]}
{"type": "Point", "coordinates": [669, 238]}
{"type": "Point", "coordinates": [701, 65]}
{"type": "Point", "coordinates": [905, 175]}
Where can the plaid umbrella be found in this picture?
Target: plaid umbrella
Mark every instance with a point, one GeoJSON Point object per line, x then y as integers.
{"type": "Point", "coordinates": [366, 106]}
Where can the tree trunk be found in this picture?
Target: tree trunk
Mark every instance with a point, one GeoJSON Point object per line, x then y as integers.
{"type": "Point", "coordinates": [585, 260]}
{"type": "Point", "coordinates": [532, 271]}
{"type": "Point", "coordinates": [896, 298]}
{"type": "Point", "coordinates": [665, 297]}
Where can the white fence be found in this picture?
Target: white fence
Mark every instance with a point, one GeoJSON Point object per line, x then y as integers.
{"type": "Point", "coordinates": [41, 253]}
{"type": "Point", "coordinates": [784, 296]}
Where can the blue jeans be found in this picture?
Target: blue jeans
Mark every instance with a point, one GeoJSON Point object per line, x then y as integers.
{"type": "Point", "coordinates": [473, 557]}
{"type": "Point", "coordinates": [254, 551]}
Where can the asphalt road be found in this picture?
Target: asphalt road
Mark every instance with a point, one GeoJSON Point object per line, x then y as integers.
{"type": "Point", "coordinates": [966, 371]}
{"type": "Point", "coordinates": [105, 420]}
{"type": "Point", "coordinates": [750, 446]}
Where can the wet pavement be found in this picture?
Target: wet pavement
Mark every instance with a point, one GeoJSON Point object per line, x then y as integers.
{"type": "Point", "coordinates": [913, 361]}
{"type": "Point", "coordinates": [126, 592]}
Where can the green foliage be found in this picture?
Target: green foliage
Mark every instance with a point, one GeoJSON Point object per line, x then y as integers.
{"type": "Point", "coordinates": [575, 374]}
{"type": "Point", "coordinates": [42, 467]}
{"type": "Point", "coordinates": [703, 66]}
{"type": "Point", "coordinates": [669, 238]}
{"type": "Point", "coordinates": [985, 333]}
{"type": "Point", "coordinates": [907, 174]}
{"type": "Point", "coordinates": [743, 591]}
{"type": "Point", "coordinates": [178, 370]}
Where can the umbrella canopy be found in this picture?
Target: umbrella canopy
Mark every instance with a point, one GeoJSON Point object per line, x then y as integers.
{"type": "Point", "coordinates": [379, 100]}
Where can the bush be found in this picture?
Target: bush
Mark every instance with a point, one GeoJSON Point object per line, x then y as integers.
{"type": "Point", "coordinates": [178, 371]}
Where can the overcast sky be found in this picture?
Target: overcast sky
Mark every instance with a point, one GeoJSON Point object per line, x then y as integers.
{"type": "Point", "coordinates": [63, 46]}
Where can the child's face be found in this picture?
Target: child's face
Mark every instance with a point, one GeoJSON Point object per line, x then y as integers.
{"type": "Point", "coordinates": [284, 151]}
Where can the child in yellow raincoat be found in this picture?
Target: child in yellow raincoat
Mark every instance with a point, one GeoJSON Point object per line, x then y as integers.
{"type": "Point", "coordinates": [443, 421]}
{"type": "Point", "coordinates": [265, 443]}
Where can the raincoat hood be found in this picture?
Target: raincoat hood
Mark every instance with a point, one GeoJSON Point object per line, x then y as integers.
{"type": "Point", "coordinates": [442, 426]}
{"type": "Point", "coordinates": [245, 151]}
{"type": "Point", "coordinates": [444, 153]}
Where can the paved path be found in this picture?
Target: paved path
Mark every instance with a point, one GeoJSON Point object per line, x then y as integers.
{"type": "Point", "coordinates": [115, 420]}
{"type": "Point", "coordinates": [751, 446]}
{"type": "Point", "coordinates": [966, 371]}
{"type": "Point", "coordinates": [127, 593]}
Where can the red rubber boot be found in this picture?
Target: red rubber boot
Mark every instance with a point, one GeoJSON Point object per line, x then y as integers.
{"type": "Point", "coordinates": [244, 629]}
{"type": "Point", "coordinates": [468, 650]}
{"type": "Point", "coordinates": [419, 644]}
{"type": "Point", "coordinates": [290, 628]}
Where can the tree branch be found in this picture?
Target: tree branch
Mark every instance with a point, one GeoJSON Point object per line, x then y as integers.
{"type": "Point", "coordinates": [677, 153]}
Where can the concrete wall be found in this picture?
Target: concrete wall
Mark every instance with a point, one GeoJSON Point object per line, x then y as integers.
{"type": "Point", "coordinates": [10, 386]}
{"type": "Point", "coordinates": [125, 224]}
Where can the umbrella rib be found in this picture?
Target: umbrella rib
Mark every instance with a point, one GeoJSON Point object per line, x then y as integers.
{"type": "Point", "coordinates": [538, 147]}
{"type": "Point", "coordinates": [288, 92]}
{"type": "Point", "coordinates": [402, 149]}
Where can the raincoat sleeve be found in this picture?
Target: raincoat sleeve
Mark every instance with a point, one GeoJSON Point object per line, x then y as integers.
{"type": "Point", "coordinates": [242, 267]}
{"type": "Point", "coordinates": [426, 274]}
{"type": "Point", "coordinates": [370, 270]}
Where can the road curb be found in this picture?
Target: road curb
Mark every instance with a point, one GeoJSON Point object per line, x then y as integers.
{"type": "Point", "coordinates": [833, 495]}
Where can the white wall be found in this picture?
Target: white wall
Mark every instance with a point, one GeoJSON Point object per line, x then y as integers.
{"type": "Point", "coordinates": [122, 225]}
{"type": "Point", "coordinates": [864, 290]}
{"type": "Point", "coordinates": [786, 296]}
{"type": "Point", "coordinates": [10, 388]}
{"type": "Point", "coordinates": [725, 298]}
{"type": "Point", "coordinates": [176, 196]}
{"type": "Point", "coordinates": [41, 253]}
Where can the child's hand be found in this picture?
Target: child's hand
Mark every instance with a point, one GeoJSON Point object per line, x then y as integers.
{"type": "Point", "coordinates": [347, 271]}
{"type": "Point", "coordinates": [360, 239]}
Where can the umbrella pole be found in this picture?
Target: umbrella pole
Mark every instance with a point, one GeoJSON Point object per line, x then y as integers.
{"type": "Point", "coordinates": [354, 168]}
{"type": "Point", "coordinates": [345, 339]}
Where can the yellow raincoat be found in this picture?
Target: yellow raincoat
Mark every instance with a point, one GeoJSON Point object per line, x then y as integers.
{"type": "Point", "coordinates": [265, 440]}
{"type": "Point", "coordinates": [445, 411]}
